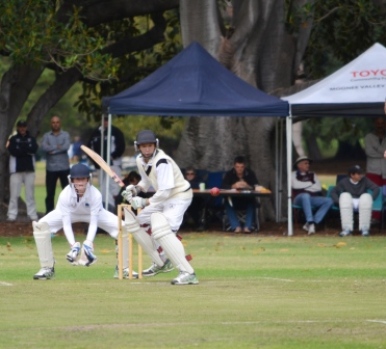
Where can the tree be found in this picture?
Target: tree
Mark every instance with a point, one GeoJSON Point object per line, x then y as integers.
{"type": "Point", "coordinates": [266, 44]}
{"type": "Point", "coordinates": [80, 40]}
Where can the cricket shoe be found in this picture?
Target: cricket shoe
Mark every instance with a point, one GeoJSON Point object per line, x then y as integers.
{"type": "Point", "coordinates": [72, 256]}
{"type": "Point", "coordinates": [185, 278]}
{"type": "Point", "coordinates": [45, 273]}
{"type": "Point", "coordinates": [365, 233]}
{"type": "Point", "coordinates": [87, 256]}
{"type": "Point", "coordinates": [345, 232]}
{"type": "Point", "coordinates": [125, 273]}
{"type": "Point", "coordinates": [155, 269]}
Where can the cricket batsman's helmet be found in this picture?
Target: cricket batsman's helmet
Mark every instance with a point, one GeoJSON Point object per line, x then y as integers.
{"type": "Point", "coordinates": [79, 171]}
{"type": "Point", "coordinates": [145, 137]}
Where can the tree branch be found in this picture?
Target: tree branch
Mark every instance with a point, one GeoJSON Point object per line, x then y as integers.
{"type": "Point", "coordinates": [96, 12]}
{"type": "Point", "coordinates": [141, 42]}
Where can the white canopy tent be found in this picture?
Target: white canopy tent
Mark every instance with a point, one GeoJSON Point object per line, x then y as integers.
{"type": "Point", "coordinates": [356, 89]}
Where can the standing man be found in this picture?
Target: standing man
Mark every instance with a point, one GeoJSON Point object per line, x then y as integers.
{"type": "Point", "coordinates": [80, 201]}
{"type": "Point", "coordinates": [307, 193]}
{"type": "Point", "coordinates": [239, 178]}
{"type": "Point", "coordinates": [375, 147]}
{"type": "Point", "coordinates": [22, 148]}
{"type": "Point", "coordinates": [163, 212]}
{"type": "Point", "coordinates": [117, 148]}
{"type": "Point", "coordinates": [56, 144]}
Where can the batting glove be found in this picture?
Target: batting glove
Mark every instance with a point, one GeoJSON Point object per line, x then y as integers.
{"type": "Point", "coordinates": [138, 202]}
{"type": "Point", "coordinates": [129, 193]}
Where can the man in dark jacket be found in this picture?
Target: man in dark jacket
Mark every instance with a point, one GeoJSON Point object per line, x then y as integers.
{"type": "Point", "coordinates": [240, 178]}
{"type": "Point", "coordinates": [22, 148]}
{"type": "Point", "coordinates": [352, 195]}
{"type": "Point", "coordinates": [117, 148]}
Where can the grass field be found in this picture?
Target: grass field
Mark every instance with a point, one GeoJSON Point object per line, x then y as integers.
{"type": "Point", "coordinates": [254, 292]}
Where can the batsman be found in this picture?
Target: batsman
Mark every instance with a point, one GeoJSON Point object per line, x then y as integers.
{"type": "Point", "coordinates": [155, 228]}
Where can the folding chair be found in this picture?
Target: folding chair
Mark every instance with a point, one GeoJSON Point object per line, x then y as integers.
{"type": "Point", "coordinates": [214, 208]}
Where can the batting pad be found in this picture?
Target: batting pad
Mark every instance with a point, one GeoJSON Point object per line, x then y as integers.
{"type": "Point", "coordinates": [169, 242]}
{"type": "Point", "coordinates": [42, 236]}
{"type": "Point", "coordinates": [144, 239]}
{"type": "Point", "coordinates": [346, 211]}
{"type": "Point", "coordinates": [365, 208]}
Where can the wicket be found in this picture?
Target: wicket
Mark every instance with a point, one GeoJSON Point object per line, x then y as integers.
{"type": "Point", "coordinates": [130, 242]}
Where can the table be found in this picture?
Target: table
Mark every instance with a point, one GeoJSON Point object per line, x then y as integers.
{"type": "Point", "coordinates": [228, 194]}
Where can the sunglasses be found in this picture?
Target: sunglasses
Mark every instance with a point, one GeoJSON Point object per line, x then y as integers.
{"type": "Point", "coordinates": [190, 173]}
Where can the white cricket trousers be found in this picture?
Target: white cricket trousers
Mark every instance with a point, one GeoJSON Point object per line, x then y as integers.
{"type": "Point", "coordinates": [16, 181]}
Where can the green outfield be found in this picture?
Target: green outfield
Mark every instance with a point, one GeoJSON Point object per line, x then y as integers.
{"type": "Point", "coordinates": [254, 292]}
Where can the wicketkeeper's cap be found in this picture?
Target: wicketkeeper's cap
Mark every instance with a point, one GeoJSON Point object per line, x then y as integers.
{"type": "Point", "coordinates": [80, 171]}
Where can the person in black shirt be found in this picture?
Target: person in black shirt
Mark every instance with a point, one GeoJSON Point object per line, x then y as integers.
{"type": "Point", "coordinates": [22, 148]}
{"type": "Point", "coordinates": [240, 178]}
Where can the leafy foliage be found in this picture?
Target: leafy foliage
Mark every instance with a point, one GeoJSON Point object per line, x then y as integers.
{"type": "Point", "coordinates": [32, 34]}
{"type": "Point", "coordinates": [342, 30]}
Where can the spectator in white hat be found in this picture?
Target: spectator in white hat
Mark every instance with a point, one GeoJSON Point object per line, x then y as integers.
{"type": "Point", "coordinates": [307, 193]}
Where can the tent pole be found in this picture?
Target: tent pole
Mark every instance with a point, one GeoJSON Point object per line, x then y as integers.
{"type": "Point", "coordinates": [289, 170]}
{"type": "Point", "coordinates": [281, 138]}
{"type": "Point", "coordinates": [277, 169]}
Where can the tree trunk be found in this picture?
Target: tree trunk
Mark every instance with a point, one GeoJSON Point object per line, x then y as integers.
{"type": "Point", "coordinates": [262, 53]}
{"type": "Point", "coordinates": [16, 84]}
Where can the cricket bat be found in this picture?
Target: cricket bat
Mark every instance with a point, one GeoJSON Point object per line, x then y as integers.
{"type": "Point", "coordinates": [103, 165]}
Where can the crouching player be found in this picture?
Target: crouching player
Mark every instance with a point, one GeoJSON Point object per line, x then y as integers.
{"type": "Point", "coordinates": [80, 201]}
{"type": "Point", "coordinates": [162, 214]}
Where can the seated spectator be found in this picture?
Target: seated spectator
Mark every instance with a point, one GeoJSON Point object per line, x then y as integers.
{"type": "Point", "coordinates": [240, 177]}
{"type": "Point", "coordinates": [196, 208]}
{"type": "Point", "coordinates": [307, 193]}
{"type": "Point", "coordinates": [351, 193]}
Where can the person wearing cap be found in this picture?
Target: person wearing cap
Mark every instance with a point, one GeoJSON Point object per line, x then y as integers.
{"type": "Point", "coordinates": [155, 228]}
{"type": "Point", "coordinates": [307, 193]}
{"type": "Point", "coordinates": [98, 143]}
{"type": "Point", "coordinates": [375, 148]}
{"type": "Point", "coordinates": [55, 144]}
{"type": "Point", "coordinates": [79, 201]}
{"type": "Point", "coordinates": [352, 195]}
{"type": "Point", "coordinates": [22, 148]}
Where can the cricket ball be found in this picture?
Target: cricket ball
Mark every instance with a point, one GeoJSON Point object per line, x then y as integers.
{"type": "Point", "coordinates": [215, 191]}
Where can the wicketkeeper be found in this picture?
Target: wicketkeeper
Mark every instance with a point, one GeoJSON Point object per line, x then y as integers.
{"type": "Point", "coordinates": [80, 201]}
{"type": "Point", "coordinates": [157, 224]}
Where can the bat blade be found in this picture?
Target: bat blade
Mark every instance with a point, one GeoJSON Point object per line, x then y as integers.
{"type": "Point", "coordinates": [103, 165]}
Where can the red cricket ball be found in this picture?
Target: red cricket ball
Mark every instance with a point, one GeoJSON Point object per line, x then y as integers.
{"type": "Point", "coordinates": [215, 191]}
